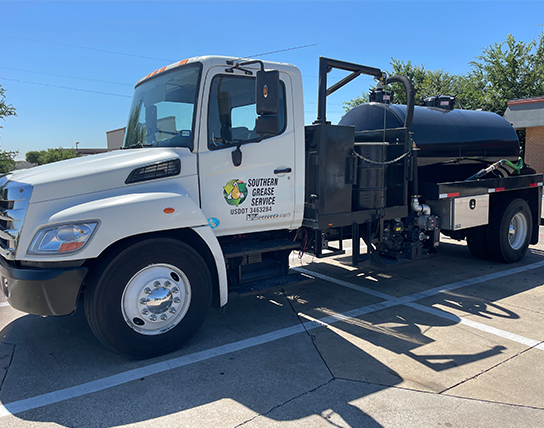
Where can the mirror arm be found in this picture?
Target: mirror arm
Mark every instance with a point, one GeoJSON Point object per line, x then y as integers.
{"type": "Point", "coordinates": [239, 65]}
{"type": "Point", "coordinates": [254, 61]}
{"type": "Point", "coordinates": [231, 70]}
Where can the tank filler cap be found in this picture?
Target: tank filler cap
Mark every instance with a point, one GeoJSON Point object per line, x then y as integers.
{"type": "Point", "coordinates": [445, 102]}
{"type": "Point", "coordinates": [378, 95]}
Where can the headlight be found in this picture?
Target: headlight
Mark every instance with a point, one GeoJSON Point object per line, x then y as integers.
{"type": "Point", "coordinates": [61, 239]}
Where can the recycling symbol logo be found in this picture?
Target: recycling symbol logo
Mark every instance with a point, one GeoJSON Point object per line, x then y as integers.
{"type": "Point", "coordinates": [235, 192]}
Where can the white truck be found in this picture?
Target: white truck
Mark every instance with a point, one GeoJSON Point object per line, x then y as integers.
{"type": "Point", "coordinates": [219, 180]}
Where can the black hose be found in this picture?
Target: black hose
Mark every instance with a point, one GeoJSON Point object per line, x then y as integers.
{"type": "Point", "coordinates": [410, 103]}
{"type": "Point", "coordinates": [410, 98]}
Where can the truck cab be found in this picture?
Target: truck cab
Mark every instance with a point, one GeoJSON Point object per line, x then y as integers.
{"type": "Point", "coordinates": [175, 183]}
{"type": "Point", "coordinates": [206, 109]}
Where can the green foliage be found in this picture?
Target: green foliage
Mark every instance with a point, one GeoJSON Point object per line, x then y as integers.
{"type": "Point", "coordinates": [7, 158]}
{"type": "Point", "coordinates": [426, 83]}
{"type": "Point", "coordinates": [33, 157]}
{"type": "Point", "coordinates": [417, 75]}
{"type": "Point", "coordinates": [504, 71]}
{"type": "Point", "coordinates": [7, 161]}
{"type": "Point", "coordinates": [42, 157]}
{"type": "Point", "coordinates": [5, 108]}
{"type": "Point", "coordinates": [354, 102]}
{"type": "Point", "coordinates": [509, 70]}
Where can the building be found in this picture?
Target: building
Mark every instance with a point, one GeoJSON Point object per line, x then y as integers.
{"type": "Point", "coordinates": [528, 114]}
{"type": "Point", "coordinates": [23, 164]}
{"type": "Point", "coordinates": [115, 138]}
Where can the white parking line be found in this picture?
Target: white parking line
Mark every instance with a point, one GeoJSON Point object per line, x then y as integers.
{"type": "Point", "coordinates": [409, 301]}
{"type": "Point", "coordinates": [430, 292]}
{"type": "Point", "coordinates": [2, 304]}
{"type": "Point", "coordinates": [135, 374]}
{"type": "Point", "coordinates": [479, 326]}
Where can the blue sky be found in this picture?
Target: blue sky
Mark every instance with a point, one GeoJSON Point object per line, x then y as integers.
{"type": "Point", "coordinates": [46, 47]}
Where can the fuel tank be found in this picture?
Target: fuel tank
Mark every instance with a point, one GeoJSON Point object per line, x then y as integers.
{"type": "Point", "coordinates": [453, 144]}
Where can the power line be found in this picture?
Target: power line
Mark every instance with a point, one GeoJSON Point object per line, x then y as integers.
{"type": "Point", "coordinates": [110, 82]}
{"type": "Point", "coordinates": [87, 47]}
{"type": "Point", "coordinates": [70, 77]}
{"type": "Point", "coordinates": [139, 56]}
{"type": "Point", "coordinates": [105, 93]}
{"type": "Point", "coordinates": [66, 87]}
{"type": "Point", "coordinates": [281, 50]}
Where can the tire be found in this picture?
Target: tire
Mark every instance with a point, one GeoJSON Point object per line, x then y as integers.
{"type": "Point", "coordinates": [477, 242]}
{"type": "Point", "coordinates": [149, 299]}
{"type": "Point", "coordinates": [509, 230]}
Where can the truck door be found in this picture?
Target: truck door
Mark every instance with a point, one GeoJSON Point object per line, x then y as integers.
{"type": "Point", "coordinates": [258, 194]}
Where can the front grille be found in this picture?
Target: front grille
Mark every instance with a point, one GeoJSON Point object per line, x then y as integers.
{"type": "Point", "coordinates": [14, 199]}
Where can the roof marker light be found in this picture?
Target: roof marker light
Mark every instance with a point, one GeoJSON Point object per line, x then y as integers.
{"type": "Point", "coordinates": [160, 70]}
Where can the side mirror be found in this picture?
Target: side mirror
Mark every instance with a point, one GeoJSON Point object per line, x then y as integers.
{"type": "Point", "coordinates": [267, 92]}
{"type": "Point", "coordinates": [267, 126]}
{"type": "Point", "coordinates": [267, 98]}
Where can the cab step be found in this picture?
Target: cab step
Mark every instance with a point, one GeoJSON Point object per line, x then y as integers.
{"type": "Point", "coordinates": [280, 282]}
{"type": "Point", "coordinates": [253, 247]}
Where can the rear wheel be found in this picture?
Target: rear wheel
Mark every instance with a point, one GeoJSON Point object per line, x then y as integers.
{"type": "Point", "coordinates": [509, 230]}
{"type": "Point", "coordinates": [477, 242]}
{"type": "Point", "coordinates": [150, 299]}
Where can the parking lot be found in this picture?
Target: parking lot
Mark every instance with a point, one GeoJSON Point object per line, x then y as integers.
{"type": "Point", "coordinates": [445, 341]}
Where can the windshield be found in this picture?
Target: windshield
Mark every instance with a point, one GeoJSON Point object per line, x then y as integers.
{"type": "Point", "coordinates": [162, 110]}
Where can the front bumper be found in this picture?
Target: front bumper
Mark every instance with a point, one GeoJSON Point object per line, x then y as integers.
{"type": "Point", "coordinates": [41, 291]}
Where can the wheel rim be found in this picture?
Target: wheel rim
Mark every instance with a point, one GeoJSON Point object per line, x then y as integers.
{"type": "Point", "coordinates": [156, 299]}
{"type": "Point", "coordinates": [517, 232]}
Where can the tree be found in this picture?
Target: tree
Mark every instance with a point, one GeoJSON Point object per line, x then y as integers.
{"type": "Point", "coordinates": [7, 161]}
{"type": "Point", "coordinates": [417, 75]}
{"type": "Point", "coordinates": [42, 157]}
{"type": "Point", "coordinates": [5, 108]}
{"type": "Point", "coordinates": [508, 70]}
{"type": "Point", "coordinates": [33, 157]}
{"type": "Point", "coordinates": [504, 71]}
{"type": "Point", "coordinates": [426, 83]}
{"type": "Point", "coordinates": [7, 158]}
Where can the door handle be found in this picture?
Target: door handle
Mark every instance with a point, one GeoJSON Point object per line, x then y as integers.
{"type": "Point", "coordinates": [282, 170]}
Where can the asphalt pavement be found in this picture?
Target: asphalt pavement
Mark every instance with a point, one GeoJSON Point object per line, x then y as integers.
{"type": "Point", "coordinates": [445, 341]}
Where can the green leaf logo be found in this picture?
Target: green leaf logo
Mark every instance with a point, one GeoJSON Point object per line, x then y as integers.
{"type": "Point", "coordinates": [235, 192]}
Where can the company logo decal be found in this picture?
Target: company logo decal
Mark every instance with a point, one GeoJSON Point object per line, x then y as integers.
{"type": "Point", "coordinates": [261, 193]}
{"type": "Point", "coordinates": [235, 192]}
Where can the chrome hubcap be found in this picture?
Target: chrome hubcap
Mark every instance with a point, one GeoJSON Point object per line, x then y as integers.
{"type": "Point", "coordinates": [517, 232]}
{"type": "Point", "coordinates": [156, 299]}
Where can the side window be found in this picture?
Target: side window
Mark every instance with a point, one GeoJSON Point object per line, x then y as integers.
{"type": "Point", "coordinates": [232, 111]}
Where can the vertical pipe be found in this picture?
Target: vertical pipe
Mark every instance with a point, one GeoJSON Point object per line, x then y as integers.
{"type": "Point", "coordinates": [322, 92]}
{"type": "Point", "coordinates": [318, 242]}
{"type": "Point", "coordinates": [410, 103]}
{"type": "Point", "coordinates": [355, 244]}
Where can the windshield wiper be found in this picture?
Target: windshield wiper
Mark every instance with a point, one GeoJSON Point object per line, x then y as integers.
{"type": "Point", "coordinates": [139, 145]}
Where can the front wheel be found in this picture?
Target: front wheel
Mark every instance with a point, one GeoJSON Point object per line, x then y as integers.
{"type": "Point", "coordinates": [509, 230]}
{"type": "Point", "coordinates": [150, 299]}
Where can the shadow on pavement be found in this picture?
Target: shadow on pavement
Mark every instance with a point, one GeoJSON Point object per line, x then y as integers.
{"type": "Point", "coordinates": [271, 378]}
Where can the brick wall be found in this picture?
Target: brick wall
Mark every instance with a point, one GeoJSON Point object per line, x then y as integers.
{"type": "Point", "coordinates": [534, 148]}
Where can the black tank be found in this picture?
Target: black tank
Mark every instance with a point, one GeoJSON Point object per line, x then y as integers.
{"type": "Point", "coordinates": [454, 144]}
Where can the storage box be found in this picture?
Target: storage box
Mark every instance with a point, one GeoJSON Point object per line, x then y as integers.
{"type": "Point", "coordinates": [461, 213]}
